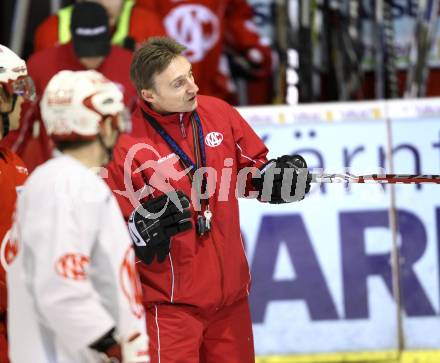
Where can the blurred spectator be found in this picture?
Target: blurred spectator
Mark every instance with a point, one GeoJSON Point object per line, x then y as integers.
{"type": "Point", "coordinates": [129, 25]}
{"type": "Point", "coordinates": [90, 48]}
{"type": "Point", "coordinates": [210, 28]}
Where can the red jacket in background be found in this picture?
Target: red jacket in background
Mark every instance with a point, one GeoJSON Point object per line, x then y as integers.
{"type": "Point", "coordinates": [13, 174]}
{"type": "Point", "coordinates": [143, 24]}
{"type": "Point", "coordinates": [206, 272]}
{"type": "Point", "coordinates": [30, 141]}
{"type": "Point", "coordinates": [42, 66]}
{"type": "Point", "coordinates": [206, 27]}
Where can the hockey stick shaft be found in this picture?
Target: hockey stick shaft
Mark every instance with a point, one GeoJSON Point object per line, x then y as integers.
{"type": "Point", "coordinates": [379, 57]}
{"type": "Point", "coordinates": [376, 178]}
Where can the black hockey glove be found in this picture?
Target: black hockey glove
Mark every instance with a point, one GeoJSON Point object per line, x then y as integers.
{"type": "Point", "coordinates": [153, 223]}
{"type": "Point", "coordinates": [270, 180]}
{"type": "Point", "coordinates": [254, 63]}
{"type": "Point", "coordinates": [108, 345]}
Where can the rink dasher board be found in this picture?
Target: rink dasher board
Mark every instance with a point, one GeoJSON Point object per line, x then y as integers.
{"type": "Point", "coordinates": [364, 357]}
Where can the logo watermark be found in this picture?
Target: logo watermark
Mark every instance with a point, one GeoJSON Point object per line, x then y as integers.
{"type": "Point", "coordinates": [146, 173]}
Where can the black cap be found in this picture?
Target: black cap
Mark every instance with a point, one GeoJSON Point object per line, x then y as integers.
{"type": "Point", "coordinates": [90, 30]}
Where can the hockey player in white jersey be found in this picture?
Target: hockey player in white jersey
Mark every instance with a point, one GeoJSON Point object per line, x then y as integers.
{"type": "Point", "coordinates": [74, 292]}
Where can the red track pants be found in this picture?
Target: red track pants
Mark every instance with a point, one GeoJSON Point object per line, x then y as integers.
{"type": "Point", "coordinates": [179, 335]}
{"type": "Point", "coordinates": [3, 344]}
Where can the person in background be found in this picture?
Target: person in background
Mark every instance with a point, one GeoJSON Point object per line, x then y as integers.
{"type": "Point", "coordinates": [74, 292]}
{"type": "Point", "coordinates": [184, 221]}
{"type": "Point", "coordinates": [16, 87]}
{"type": "Point", "coordinates": [130, 24]}
{"type": "Point", "coordinates": [209, 29]}
{"type": "Point", "coordinates": [89, 48]}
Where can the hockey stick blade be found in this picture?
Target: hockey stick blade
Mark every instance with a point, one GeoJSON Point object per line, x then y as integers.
{"type": "Point", "coordinates": [376, 178]}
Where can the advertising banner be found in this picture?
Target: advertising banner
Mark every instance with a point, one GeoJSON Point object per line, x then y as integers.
{"type": "Point", "coordinates": [323, 279]}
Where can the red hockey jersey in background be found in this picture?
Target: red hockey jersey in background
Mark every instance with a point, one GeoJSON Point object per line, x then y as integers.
{"type": "Point", "coordinates": [13, 174]}
{"type": "Point", "coordinates": [207, 28]}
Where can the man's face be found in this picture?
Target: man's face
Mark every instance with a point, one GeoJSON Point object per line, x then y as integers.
{"type": "Point", "coordinates": [91, 62]}
{"type": "Point", "coordinates": [6, 104]}
{"type": "Point", "coordinates": [174, 89]}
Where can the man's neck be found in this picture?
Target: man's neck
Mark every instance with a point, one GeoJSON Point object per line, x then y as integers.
{"type": "Point", "coordinates": [158, 110]}
{"type": "Point", "coordinates": [91, 155]}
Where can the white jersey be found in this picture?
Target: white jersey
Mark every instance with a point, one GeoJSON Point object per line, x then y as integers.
{"type": "Point", "coordinates": [73, 278]}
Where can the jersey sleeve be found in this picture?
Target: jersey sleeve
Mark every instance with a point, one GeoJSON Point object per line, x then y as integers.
{"type": "Point", "coordinates": [239, 18]}
{"type": "Point", "coordinates": [21, 171]}
{"type": "Point", "coordinates": [250, 149]}
{"type": "Point", "coordinates": [121, 179]}
{"type": "Point", "coordinates": [241, 33]}
{"type": "Point", "coordinates": [114, 237]}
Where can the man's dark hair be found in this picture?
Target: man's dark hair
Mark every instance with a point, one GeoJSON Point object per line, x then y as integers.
{"type": "Point", "coordinates": [66, 145]}
{"type": "Point", "coordinates": [152, 58]}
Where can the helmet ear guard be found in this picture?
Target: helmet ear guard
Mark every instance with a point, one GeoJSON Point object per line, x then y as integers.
{"type": "Point", "coordinates": [14, 76]}
{"type": "Point", "coordinates": [23, 86]}
{"type": "Point", "coordinates": [15, 82]}
{"type": "Point", "coordinates": [120, 121]}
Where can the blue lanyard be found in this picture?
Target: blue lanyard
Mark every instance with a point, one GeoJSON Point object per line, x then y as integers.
{"type": "Point", "coordinates": [198, 139]}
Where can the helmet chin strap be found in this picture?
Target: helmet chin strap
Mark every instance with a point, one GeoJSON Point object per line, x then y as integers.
{"type": "Point", "coordinates": [5, 117]}
{"type": "Point", "coordinates": [5, 123]}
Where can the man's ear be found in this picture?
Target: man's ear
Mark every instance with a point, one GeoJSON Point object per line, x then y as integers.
{"type": "Point", "coordinates": [105, 127]}
{"type": "Point", "coordinates": [147, 95]}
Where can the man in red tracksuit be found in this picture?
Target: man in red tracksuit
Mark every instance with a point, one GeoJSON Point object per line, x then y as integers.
{"type": "Point", "coordinates": [130, 25]}
{"type": "Point", "coordinates": [15, 88]}
{"type": "Point", "coordinates": [90, 48]}
{"type": "Point", "coordinates": [208, 29]}
{"type": "Point", "coordinates": [194, 271]}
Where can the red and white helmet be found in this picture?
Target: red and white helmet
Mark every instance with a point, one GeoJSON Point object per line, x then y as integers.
{"type": "Point", "coordinates": [14, 76]}
{"type": "Point", "coordinates": [75, 103]}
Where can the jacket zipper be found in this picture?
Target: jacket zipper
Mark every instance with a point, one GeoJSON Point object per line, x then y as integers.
{"type": "Point", "coordinates": [182, 125]}
{"type": "Point", "coordinates": [222, 274]}
{"type": "Point", "coordinates": [217, 252]}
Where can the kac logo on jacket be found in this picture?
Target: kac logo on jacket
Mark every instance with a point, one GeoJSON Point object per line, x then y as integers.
{"type": "Point", "coordinates": [213, 139]}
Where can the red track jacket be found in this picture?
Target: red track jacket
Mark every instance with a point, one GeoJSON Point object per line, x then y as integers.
{"type": "Point", "coordinates": [205, 272]}
{"type": "Point", "coordinates": [143, 24]}
{"type": "Point", "coordinates": [42, 66]}
{"type": "Point", "coordinates": [13, 174]}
